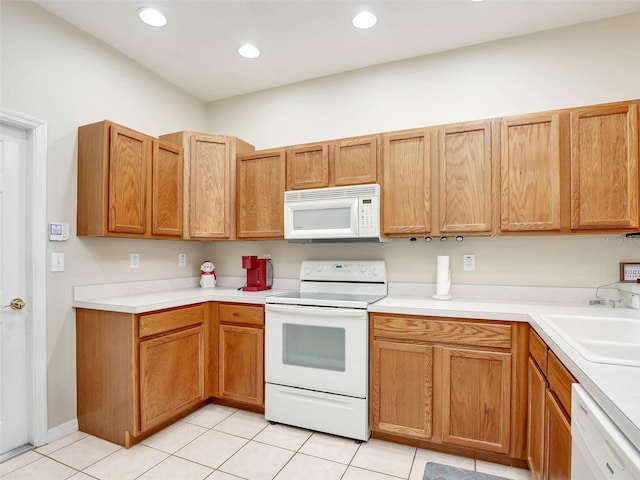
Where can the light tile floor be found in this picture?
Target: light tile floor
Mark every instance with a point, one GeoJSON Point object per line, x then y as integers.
{"type": "Point", "coordinates": [221, 443]}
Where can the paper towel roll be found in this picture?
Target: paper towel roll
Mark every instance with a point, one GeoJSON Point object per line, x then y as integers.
{"type": "Point", "coordinates": [443, 278]}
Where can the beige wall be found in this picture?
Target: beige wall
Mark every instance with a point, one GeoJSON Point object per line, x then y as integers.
{"type": "Point", "coordinates": [586, 64]}
{"type": "Point", "coordinates": [59, 74]}
{"type": "Point", "coordinates": [55, 72]}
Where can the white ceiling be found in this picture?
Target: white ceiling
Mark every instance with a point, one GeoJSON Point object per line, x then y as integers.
{"type": "Point", "coordinates": [304, 39]}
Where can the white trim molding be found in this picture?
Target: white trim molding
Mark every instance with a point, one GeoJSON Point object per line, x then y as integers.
{"type": "Point", "coordinates": [37, 249]}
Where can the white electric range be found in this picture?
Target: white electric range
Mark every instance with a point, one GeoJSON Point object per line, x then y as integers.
{"type": "Point", "coordinates": [317, 348]}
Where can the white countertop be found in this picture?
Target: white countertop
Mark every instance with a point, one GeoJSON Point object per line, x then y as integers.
{"type": "Point", "coordinates": [616, 388]}
{"type": "Point", "coordinates": [148, 296]}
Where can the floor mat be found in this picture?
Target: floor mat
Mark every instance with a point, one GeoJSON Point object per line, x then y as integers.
{"type": "Point", "coordinates": [437, 471]}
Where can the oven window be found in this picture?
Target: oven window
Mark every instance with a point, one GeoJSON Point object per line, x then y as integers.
{"type": "Point", "coordinates": [313, 346]}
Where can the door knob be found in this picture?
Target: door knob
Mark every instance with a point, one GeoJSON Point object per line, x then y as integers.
{"type": "Point", "coordinates": [15, 304]}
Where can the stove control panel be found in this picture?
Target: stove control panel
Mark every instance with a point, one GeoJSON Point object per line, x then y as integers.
{"type": "Point", "coordinates": [340, 271]}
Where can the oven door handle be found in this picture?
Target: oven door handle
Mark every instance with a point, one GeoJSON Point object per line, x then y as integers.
{"type": "Point", "coordinates": [317, 311]}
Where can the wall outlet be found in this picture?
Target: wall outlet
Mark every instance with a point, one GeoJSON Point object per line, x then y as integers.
{"type": "Point", "coordinates": [134, 260]}
{"type": "Point", "coordinates": [469, 263]}
{"type": "Point", "coordinates": [182, 259]}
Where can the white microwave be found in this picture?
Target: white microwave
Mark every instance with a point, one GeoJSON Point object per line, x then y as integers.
{"type": "Point", "coordinates": [335, 214]}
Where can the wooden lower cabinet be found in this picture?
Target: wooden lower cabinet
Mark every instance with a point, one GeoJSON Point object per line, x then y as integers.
{"type": "Point", "coordinates": [171, 375]}
{"type": "Point", "coordinates": [476, 399]}
{"type": "Point", "coordinates": [137, 373]}
{"type": "Point", "coordinates": [453, 384]}
{"type": "Point", "coordinates": [395, 368]}
{"type": "Point", "coordinates": [558, 430]}
{"type": "Point", "coordinates": [241, 353]}
{"type": "Point", "coordinates": [549, 415]}
{"type": "Point", "coordinates": [537, 386]}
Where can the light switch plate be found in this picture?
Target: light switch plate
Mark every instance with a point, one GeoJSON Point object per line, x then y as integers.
{"type": "Point", "coordinates": [57, 262]}
{"type": "Point", "coordinates": [134, 260]}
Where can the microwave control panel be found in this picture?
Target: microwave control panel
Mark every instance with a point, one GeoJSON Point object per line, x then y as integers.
{"type": "Point", "coordinates": [368, 217]}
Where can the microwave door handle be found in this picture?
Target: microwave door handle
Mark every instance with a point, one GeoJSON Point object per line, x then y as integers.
{"type": "Point", "coordinates": [316, 311]}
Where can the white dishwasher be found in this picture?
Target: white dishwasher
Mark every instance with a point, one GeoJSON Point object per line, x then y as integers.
{"type": "Point", "coordinates": [599, 450]}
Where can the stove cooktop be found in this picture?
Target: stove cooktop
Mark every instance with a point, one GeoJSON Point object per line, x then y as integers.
{"type": "Point", "coordinates": [314, 299]}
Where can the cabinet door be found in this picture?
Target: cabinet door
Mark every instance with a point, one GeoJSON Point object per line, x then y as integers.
{"type": "Point", "coordinates": [402, 388]}
{"type": "Point", "coordinates": [241, 364]}
{"type": "Point", "coordinates": [308, 167]}
{"type": "Point", "coordinates": [260, 204]}
{"type": "Point", "coordinates": [355, 161]}
{"type": "Point", "coordinates": [171, 375]}
{"type": "Point", "coordinates": [530, 173]}
{"type": "Point", "coordinates": [558, 463]}
{"type": "Point", "coordinates": [536, 424]}
{"type": "Point", "coordinates": [166, 205]}
{"type": "Point", "coordinates": [604, 167]}
{"type": "Point", "coordinates": [465, 189]}
{"type": "Point", "coordinates": [406, 183]}
{"type": "Point", "coordinates": [211, 177]}
{"type": "Point", "coordinates": [476, 399]}
{"type": "Point", "coordinates": [128, 163]}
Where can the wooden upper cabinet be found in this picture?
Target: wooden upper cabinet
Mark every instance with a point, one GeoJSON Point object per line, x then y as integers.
{"type": "Point", "coordinates": [530, 173]}
{"type": "Point", "coordinates": [209, 186]}
{"type": "Point", "coordinates": [355, 161]}
{"type": "Point", "coordinates": [128, 165]}
{"type": "Point", "coordinates": [261, 186]}
{"type": "Point", "coordinates": [212, 172]}
{"type": "Point", "coordinates": [129, 184]}
{"type": "Point", "coordinates": [604, 167]}
{"type": "Point", "coordinates": [308, 166]}
{"type": "Point", "coordinates": [406, 183]}
{"type": "Point", "coordinates": [351, 161]}
{"type": "Point", "coordinates": [465, 187]}
{"type": "Point", "coordinates": [166, 205]}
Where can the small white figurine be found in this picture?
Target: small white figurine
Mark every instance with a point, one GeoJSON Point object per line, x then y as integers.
{"type": "Point", "coordinates": [207, 275]}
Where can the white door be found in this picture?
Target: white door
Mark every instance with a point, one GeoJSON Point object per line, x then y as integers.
{"type": "Point", "coordinates": [13, 321]}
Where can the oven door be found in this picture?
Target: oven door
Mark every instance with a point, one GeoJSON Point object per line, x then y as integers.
{"type": "Point", "coordinates": [322, 349]}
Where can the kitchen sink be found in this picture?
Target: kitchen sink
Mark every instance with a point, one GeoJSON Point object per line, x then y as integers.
{"type": "Point", "coordinates": [600, 339]}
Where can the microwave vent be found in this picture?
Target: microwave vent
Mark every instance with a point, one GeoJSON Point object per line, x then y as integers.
{"type": "Point", "coordinates": [369, 190]}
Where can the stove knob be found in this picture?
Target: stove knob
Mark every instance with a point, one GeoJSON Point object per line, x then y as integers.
{"type": "Point", "coordinates": [319, 268]}
{"type": "Point", "coordinates": [363, 268]}
{"type": "Point", "coordinates": [374, 270]}
{"type": "Point", "coordinates": [307, 270]}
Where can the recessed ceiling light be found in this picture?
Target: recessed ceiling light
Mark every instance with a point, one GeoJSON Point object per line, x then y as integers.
{"type": "Point", "coordinates": [364, 20]}
{"type": "Point", "coordinates": [249, 51]}
{"type": "Point", "coordinates": [152, 16]}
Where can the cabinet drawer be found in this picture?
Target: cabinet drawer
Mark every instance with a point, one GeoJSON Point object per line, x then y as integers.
{"type": "Point", "coordinates": [538, 350]}
{"type": "Point", "coordinates": [456, 331]}
{"type": "Point", "coordinates": [243, 314]}
{"type": "Point", "coordinates": [155, 323]}
{"type": "Point", "coordinates": [560, 381]}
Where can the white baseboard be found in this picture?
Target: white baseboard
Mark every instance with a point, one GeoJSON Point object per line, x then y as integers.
{"type": "Point", "coordinates": [62, 430]}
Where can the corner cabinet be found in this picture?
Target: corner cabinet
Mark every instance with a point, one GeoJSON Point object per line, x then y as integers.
{"type": "Point", "coordinates": [406, 183]}
{"type": "Point", "coordinates": [138, 373]}
{"type": "Point", "coordinates": [209, 183]}
{"type": "Point", "coordinates": [604, 167]}
{"type": "Point", "coordinates": [549, 414]}
{"type": "Point", "coordinates": [260, 203]}
{"type": "Point", "coordinates": [451, 382]}
{"type": "Point", "coordinates": [129, 184]}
